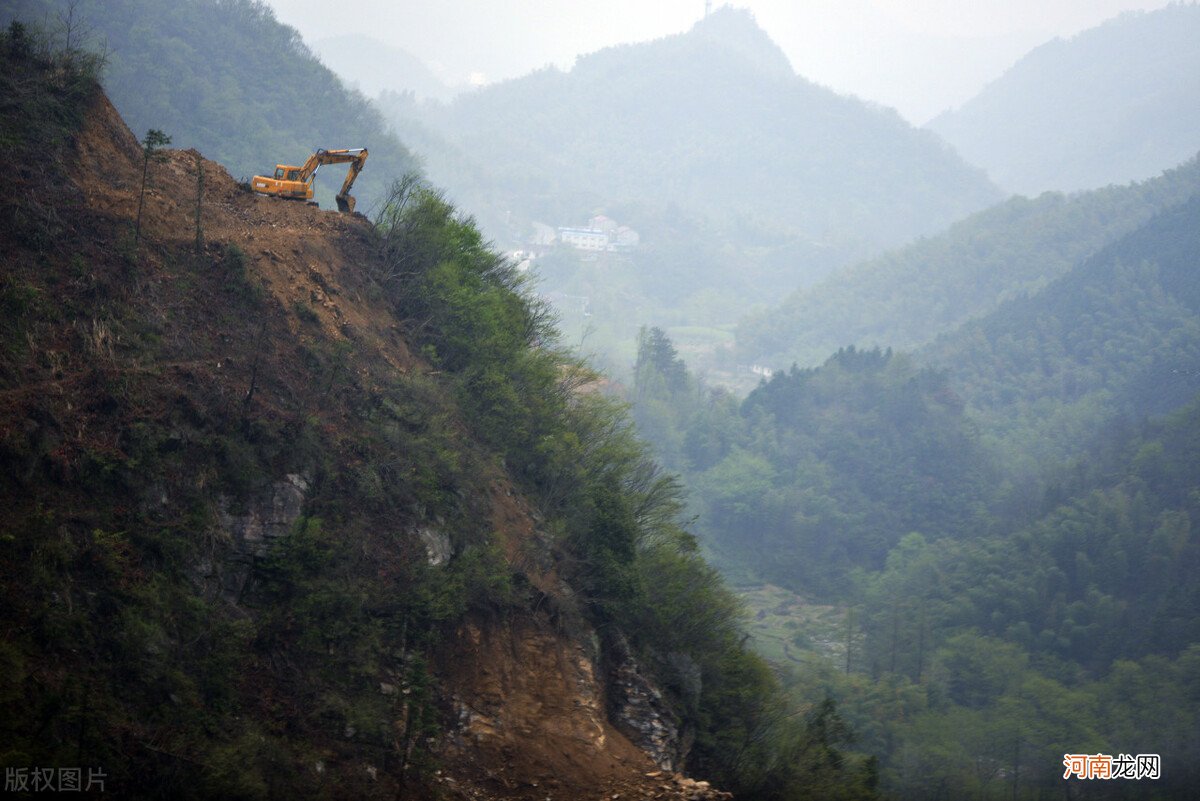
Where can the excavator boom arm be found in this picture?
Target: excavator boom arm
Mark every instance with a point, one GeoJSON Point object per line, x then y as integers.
{"type": "Point", "coordinates": [355, 155]}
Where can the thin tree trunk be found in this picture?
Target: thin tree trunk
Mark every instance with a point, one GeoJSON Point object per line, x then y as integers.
{"type": "Point", "coordinates": [137, 228]}
{"type": "Point", "coordinates": [199, 201]}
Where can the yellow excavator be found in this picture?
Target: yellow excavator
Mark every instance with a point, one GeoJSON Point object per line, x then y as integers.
{"type": "Point", "coordinates": [296, 183]}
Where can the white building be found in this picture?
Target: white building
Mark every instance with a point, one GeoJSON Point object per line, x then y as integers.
{"type": "Point", "coordinates": [758, 369]}
{"type": "Point", "coordinates": [602, 233]}
{"type": "Point", "coordinates": [583, 238]}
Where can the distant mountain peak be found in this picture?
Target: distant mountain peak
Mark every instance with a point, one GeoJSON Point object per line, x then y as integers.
{"type": "Point", "coordinates": [1115, 103]}
{"type": "Point", "coordinates": [732, 35]}
{"type": "Point", "coordinates": [736, 29]}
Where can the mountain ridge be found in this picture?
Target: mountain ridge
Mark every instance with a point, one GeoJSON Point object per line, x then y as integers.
{"type": "Point", "coordinates": [1116, 337]}
{"type": "Point", "coordinates": [742, 180]}
{"type": "Point", "coordinates": [906, 297]}
{"type": "Point", "coordinates": [622, 120]}
{"type": "Point", "coordinates": [1112, 104]}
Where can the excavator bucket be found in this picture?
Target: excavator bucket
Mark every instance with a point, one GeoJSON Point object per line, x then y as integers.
{"type": "Point", "coordinates": [345, 204]}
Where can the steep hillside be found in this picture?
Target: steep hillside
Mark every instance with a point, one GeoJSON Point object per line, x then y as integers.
{"type": "Point", "coordinates": [1117, 335]}
{"type": "Point", "coordinates": [1116, 103]}
{"type": "Point", "coordinates": [225, 77]}
{"type": "Point", "coordinates": [253, 546]}
{"type": "Point", "coordinates": [908, 297]}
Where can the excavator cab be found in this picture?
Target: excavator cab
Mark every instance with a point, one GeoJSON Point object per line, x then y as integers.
{"type": "Point", "coordinates": [296, 183]}
{"type": "Point", "coordinates": [288, 182]}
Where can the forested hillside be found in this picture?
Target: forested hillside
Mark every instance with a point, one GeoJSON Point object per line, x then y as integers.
{"type": "Point", "coordinates": [975, 636]}
{"type": "Point", "coordinates": [906, 298]}
{"type": "Point", "coordinates": [297, 505]}
{"type": "Point", "coordinates": [990, 544]}
{"type": "Point", "coordinates": [225, 77]}
{"type": "Point", "coordinates": [984, 659]}
{"type": "Point", "coordinates": [1119, 335]}
{"type": "Point", "coordinates": [1116, 103]}
{"type": "Point", "coordinates": [820, 472]}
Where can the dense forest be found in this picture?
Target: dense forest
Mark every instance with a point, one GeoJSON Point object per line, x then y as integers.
{"type": "Point", "coordinates": [906, 298]}
{"type": "Point", "coordinates": [1115, 103]}
{"type": "Point", "coordinates": [1002, 521]}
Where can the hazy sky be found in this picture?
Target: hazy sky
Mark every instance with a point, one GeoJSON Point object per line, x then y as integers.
{"type": "Point", "coordinates": [919, 56]}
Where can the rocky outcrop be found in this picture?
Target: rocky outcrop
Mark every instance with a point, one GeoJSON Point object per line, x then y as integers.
{"type": "Point", "coordinates": [267, 518]}
{"type": "Point", "coordinates": [249, 534]}
{"type": "Point", "coordinates": [438, 548]}
{"type": "Point", "coordinates": [638, 710]}
{"type": "Point", "coordinates": [679, 786]}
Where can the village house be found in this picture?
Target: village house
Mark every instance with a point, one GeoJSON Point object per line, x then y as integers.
{"type": "Point", "coordinates": [583, 238]}
{"type": "Point", "coordinates": [601, 234]}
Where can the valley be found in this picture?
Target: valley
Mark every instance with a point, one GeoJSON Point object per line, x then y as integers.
{"type": "Point", "coordinates": [664, 424]}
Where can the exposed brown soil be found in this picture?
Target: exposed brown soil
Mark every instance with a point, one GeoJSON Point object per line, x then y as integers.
{"type": "Point", "coordinates": [302, 254]}
{"type": "Point", "coordinates": [530, 719]}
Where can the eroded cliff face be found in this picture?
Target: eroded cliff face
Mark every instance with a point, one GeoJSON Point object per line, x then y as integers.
{"type": "Point", "coordinates": [530, 708]}
{"type": "Point", "coordinates": [529, 705]}
{"type": "Point", "coordinates": [637, 708]}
